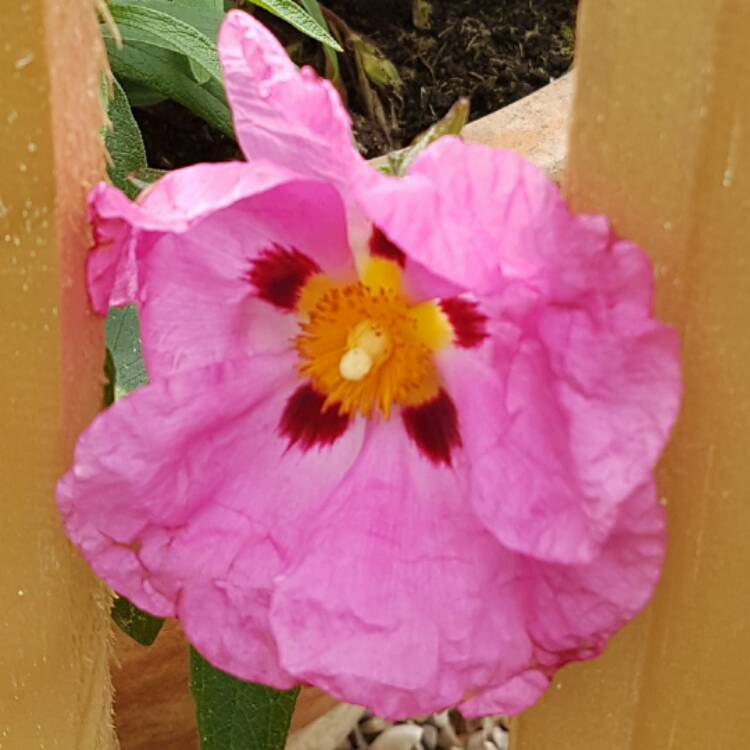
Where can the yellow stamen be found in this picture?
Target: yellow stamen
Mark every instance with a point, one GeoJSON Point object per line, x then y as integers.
{"type": "Point", "coordinates": [380, 273]}
{"type": "Point", "coordinates": [365, 347]}
{"type": "Point", "coordinates": [433, 326]}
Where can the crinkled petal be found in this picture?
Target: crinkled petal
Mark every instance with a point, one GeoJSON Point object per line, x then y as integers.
{"type": "Point", "coordinates": [524, 483]}
{"type": "Point", "coordinates": [185, 498]}
{"type": "Point", "coordinates": [112, 269]}
{"type": "Point", "coordinates": [567, 406]}
{"type": "Point", "coordinates": [508, 699]}
{"type": "Point", "coordinates": [572, 610]}
{"type": "Point", "coordinates": [173, 204]}
{"type": "Point", "coordinates": [400, 600]}
{"type": "Point", "coordinates": [474, 215]}
{"type": "Point", "coordinates": [618, 391]}
{"type": "Point", "coordinates": [193, 247]}
{"type": "Point", "coordinates": [283, 114]}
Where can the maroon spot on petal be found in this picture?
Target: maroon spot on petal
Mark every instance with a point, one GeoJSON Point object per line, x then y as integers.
{"type": "Point", "coordinates": [469, 325]}
{"type": "Point", "coordinates": [279, 275]}
{"type": "Point", "coordinates": [382, 247]}
{"type": "Point", "coordinates": [305, 423]}
{"type": "Point", "coordinates": [433, 426]}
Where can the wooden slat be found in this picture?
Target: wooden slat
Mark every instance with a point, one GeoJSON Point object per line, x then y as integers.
{"type": "Point", "coordinates": [661, 142]}
{"type": "Point", "coordinates": [54, 679]}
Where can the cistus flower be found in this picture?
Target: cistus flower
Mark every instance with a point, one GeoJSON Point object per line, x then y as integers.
{"type": "Point", "coordinates": [399, 436]}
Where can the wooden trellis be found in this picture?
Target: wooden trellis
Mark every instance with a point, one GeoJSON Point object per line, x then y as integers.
{"type": "Point", "coordinates": [54, 677]}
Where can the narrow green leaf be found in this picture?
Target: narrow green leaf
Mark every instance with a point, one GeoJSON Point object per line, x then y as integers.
{"type": "Point", "coordinates": [123, 336]}
{"type": "Point", "coordinates": [294, 15]}
{"type": "Point", "coordinates": [139, 625]}
{"type": "Point", "coordinates": [450, 124]}
{"type": "Point", "coordinates": [313, 8]}
{"type": "Point", "coordinates": [236, 715]}
{"type": "Point", "coordinates": [169, 74]}
{"type": "Point", "coordinates": [148, 26]}
{"type": "Point", "coordinates": [123, 142]}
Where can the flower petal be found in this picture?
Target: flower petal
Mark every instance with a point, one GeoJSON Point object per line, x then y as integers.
{"type": "Point", "coordinates": [282, 114]}
{"type": "Point", "coordinates": [572, 610]}
{"type": "Point", "coordinates": [473, 214]}
{"type": "Point", "coordinates": [508, 699]}
{"type": "Point", "coordinates": [193, 240]}
{"type": "Point", "coordinates": [172, 204]}
{"type": "Point", "coordinates": [399, 599]}
{"type": "Point", "coordinates": [195, 515]}
{"type": "Point", "coordinates": [566, 408]}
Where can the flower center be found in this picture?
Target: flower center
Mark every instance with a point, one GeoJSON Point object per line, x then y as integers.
{"type": "Point", "coordinates": [365, 348]}
{"type": "Point", "coordinates": [368, 344]}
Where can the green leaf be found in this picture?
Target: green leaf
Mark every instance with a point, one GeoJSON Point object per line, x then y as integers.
{"type": "Point", "coordinates": [123, 335]}
{"type": "Point", "coordinates": [139, 625]}
{"type": "Point", "coordinates": [313, 8]}
{"type": "Point", "coordinates": [236, 715]}
{"type": "Point", "coordinates": [140, 96]}
{"type": "Point", "coordinates": [143, 178]}
{"type": "Point", "coordinates": [168, 73]}
{"type": "Point", "coordinates": [109, 379]}
{"type": "Point", "coordinates": [123, 142]}
{"type": "Point", "coordinates": [148, 26]}
{"type": "Point", "coordinates": [204, 15]}
{"type": "Point", "coordinates": [452, 123]}
{"type": "Point", "coordinates": [289, 11]}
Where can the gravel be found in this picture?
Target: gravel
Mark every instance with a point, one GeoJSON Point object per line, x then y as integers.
{"type": "Point", "coordinates": [444, 731]}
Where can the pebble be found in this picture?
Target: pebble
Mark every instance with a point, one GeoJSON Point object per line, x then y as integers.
{"type": "Point", "coordinates": [430, 737]}
{"type": "Point", "coordinates": [448, 738]}
{"type": "Point", "coordinates": [446, 730]}
{"type": "Point", "coordinates": [375, 725]}
{"type": "Point", "coordinates": [500, 738]}
{"type": "Point", "coordinates": [399, 737]}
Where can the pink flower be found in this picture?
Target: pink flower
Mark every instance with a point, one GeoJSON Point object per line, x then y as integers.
{"type": "Point", "coordinates": [399, 436]}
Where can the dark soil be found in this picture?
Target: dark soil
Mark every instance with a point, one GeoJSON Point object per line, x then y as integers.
{"type": "Point", "coordinates": [175, 137]}
{"type": "Point", "coordinates": [493, 51]}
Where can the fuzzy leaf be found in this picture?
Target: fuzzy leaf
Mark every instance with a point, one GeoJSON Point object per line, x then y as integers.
{"type": "Point", "coordinates": [296, 16]}
{"type": "Point", "coordinates": [204, 15]}
{"type": "Point", "coordinates": [123, 141]}
{"type": "Point", "coordinates": [122, 333]}
{"type": "Point", "coordinates": [236, 715]}
{"type": "Point", "coordinates": [139, 625]}
{"type": "Point", "coordinates": [168, 73]}
{"type": "Point", "coordinates": [148, 26]}
{"type": "Point", "coordinates": [140, 96]}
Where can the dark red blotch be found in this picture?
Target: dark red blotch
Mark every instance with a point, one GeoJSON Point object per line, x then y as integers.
{"type": "Point", "coordinates": [305, 423]}
{"type": "Point", "coordinates": [433, 426]}
{"type": "Point", "coordinates": [469, 325]}
{"type": "Point", "coordinates": [279, 275]}
{"type": "Point", "coordinates": [382, 247]}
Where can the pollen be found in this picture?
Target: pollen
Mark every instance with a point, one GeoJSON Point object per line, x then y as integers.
{"type": "Point", "coordinates": [365, 348]}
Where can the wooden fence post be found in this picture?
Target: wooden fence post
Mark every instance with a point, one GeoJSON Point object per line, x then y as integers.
{"type": "Point", "coordinates": [54, 633]}
{"type": "Point", "coordinates": [661, 142]}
